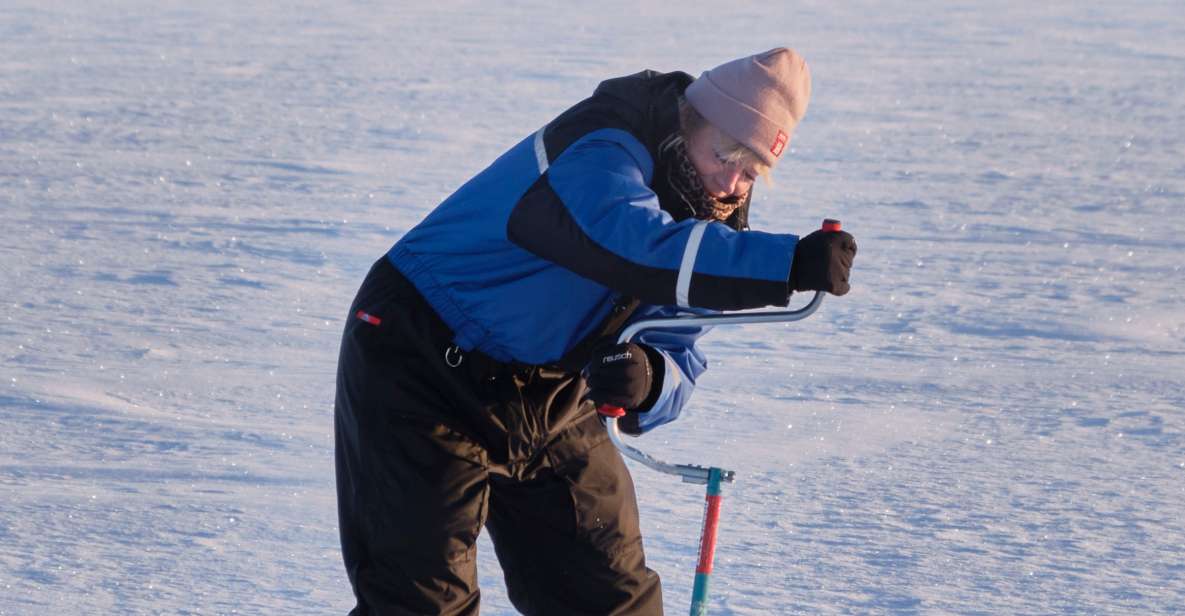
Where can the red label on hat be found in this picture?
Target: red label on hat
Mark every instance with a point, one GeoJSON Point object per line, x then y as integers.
{"type": "Point", "coordinates": [779, 144]}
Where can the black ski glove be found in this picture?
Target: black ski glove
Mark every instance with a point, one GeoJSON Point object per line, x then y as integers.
{"type": "Point", "coordinates": [628, 376]}
{"type": "Point", "coordinates": [822, 262]}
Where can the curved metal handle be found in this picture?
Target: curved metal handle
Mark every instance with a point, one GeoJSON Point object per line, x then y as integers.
{"type": "Point", "coordinates": [692, 473]}
{"type": "Point", "coordinates": [726, 318]}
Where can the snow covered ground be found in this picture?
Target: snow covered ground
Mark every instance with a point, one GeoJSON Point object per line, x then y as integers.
{"type": "Point", "coordinates": [990, 423]}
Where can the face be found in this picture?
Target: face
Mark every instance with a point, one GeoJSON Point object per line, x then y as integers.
{"type": "Point", "coordinates": [721, 179]}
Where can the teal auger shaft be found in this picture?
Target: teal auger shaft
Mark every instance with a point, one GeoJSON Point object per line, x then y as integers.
{"type": "Point", "coordinates": [707, 543]}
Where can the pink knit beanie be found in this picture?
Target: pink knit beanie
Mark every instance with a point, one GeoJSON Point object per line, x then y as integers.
{"type": "Point", "coordinates": [756, 100]}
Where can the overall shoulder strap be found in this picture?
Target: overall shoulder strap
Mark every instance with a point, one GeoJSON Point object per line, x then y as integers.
{"type": "Point", "coordinates": [576, 357]}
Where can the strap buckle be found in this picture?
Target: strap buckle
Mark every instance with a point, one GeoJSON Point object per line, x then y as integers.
{"type": "Point", "coordinates": [453, 356]}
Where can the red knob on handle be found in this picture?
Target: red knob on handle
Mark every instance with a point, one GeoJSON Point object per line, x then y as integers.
{"type": "Point", "coordinates": [611, 411]}
{"type": "Point", "coordinates": [831, 225]}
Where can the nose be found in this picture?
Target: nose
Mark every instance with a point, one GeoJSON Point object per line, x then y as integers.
{"type": "Point", "coordinates": [730, 179]}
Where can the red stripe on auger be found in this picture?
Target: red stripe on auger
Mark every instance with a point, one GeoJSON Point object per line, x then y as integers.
{"type": "Point", "coordinates": [707, 546]}
{"type": "Point", "coordinates": [369, 318]}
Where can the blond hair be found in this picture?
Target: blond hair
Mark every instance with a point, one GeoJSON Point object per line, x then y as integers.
{"type": "Point", "coordinates": [730, 151]}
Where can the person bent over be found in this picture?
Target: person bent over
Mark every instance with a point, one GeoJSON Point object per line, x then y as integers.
{"type": "Point", "coordinates": [480, 344]}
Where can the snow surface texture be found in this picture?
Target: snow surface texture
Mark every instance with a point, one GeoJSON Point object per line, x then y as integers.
{"type": "Point", "coordinates": [990, 423]}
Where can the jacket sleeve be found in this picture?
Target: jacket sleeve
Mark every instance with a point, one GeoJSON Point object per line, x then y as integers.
{"type": "Point", "coordinates": [684, 363]}
{"type": "Point", "coordinates": [592, 212]}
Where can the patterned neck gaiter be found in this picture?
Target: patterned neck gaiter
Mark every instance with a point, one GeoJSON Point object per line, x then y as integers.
{"type": "Point", "coordinates": [685, 183]}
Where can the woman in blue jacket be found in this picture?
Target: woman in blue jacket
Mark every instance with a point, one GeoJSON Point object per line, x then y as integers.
{"type": "Point", "coordinates": [478, 347]}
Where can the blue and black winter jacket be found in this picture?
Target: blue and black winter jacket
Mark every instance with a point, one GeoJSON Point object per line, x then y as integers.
{"type": "Point", "coordinates": [526, 259]}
